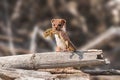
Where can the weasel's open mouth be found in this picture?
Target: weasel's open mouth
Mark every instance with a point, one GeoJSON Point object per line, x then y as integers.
{"type": "Point", "coordinates": [58, 29]}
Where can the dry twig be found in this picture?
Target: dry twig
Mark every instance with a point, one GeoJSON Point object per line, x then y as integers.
{"type": "Point", "coordinates": [101, 39]}
{"type": "Point", "coordinates": [9, 28]}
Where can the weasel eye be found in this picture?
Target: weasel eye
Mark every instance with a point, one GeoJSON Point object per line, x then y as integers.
{"type": "Point", "coordinates": [53, 24]}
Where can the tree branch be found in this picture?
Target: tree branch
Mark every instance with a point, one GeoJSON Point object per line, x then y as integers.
{"type": "Point", "coordinates": [108, 35]}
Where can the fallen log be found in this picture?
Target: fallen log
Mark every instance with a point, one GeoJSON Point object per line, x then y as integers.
{"type": "Point", "coordinates": [68, 70]}
{"type": "Point", "coordinates": [105, 77]}
{"type": "Point", "coordinates": [103, 72]}
{"type": "Point", "coordinates": [20, 74]}
{"type": "Point", "coordinates": [54, 60]}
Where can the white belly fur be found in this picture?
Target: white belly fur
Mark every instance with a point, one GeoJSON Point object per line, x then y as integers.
{"type": "Point", "coordinates": [60, 43]}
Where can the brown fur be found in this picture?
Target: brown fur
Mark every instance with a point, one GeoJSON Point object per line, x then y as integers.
{"type": "Point", "coordinates": [62, 39]}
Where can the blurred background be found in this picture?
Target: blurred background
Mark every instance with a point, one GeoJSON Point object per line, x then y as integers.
{"type": "Point", "coordinates": [91, 24]}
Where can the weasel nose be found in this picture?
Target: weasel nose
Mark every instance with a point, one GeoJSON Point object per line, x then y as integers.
{"type": "Point", "coordinates": [55, 26]}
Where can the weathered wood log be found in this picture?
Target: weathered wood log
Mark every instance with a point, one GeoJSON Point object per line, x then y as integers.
{"type": "Point", "coordinates": [79, 76]}
{"type": "Point", "coordinates": [19, 74]}
{"type": "Point", "coordinates": [53, 60]}
{"type": "Point", "coordinates": [68, 70]}
{"type": "Point", "coordinates": [103, 72]}
{"type": "Point", "coordinates": [104, 77]}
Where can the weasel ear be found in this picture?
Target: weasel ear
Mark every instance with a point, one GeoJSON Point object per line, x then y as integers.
{"type": "Point", "coordinates": [63, 21]}
{"type": "Point", "coordinates": [52, 20]}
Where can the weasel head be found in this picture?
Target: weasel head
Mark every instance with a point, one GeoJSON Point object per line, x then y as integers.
{"type": "Point", "coordinates": [58, 24]}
